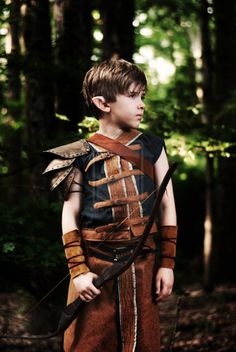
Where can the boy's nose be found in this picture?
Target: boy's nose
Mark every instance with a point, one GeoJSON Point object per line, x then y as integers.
{"type": "Point", "coordinates": [141, 104]}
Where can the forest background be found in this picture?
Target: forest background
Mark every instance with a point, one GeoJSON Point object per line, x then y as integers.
{"type": "Point", "coordinates": [188, 52]}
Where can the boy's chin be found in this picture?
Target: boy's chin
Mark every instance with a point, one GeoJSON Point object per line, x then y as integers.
{"type": "Point", "coordinates": [135, 124]}
{"type": "Point", "coordinates": [131, 124]}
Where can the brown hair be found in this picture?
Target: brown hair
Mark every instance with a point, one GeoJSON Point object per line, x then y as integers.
{"type": "Point", "coordinates": [110, 78]}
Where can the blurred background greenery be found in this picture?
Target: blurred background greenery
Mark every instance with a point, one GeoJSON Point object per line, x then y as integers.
{"type": "Point", "coordinates": [188, 52]}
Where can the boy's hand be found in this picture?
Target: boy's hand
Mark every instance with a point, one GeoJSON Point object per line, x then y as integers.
{"type": "Point", "coordinates": [164, 282]}
{"type": "Point", "coordinates": [85, 287]}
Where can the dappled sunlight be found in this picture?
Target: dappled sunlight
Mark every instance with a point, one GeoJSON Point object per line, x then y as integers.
{"type": "Point", "coordinates": [98, 36]}
{"type": "Point", "coordinates": [159, 68]}
{"type": "Point", "coordinates": [183, 56]}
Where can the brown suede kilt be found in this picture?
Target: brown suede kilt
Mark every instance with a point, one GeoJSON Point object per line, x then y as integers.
{"type": "Point", "coordinates": [125, 316]}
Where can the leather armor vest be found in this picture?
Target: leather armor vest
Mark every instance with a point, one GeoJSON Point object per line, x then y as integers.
{"type": "Point", "coordinates": [114, 188]}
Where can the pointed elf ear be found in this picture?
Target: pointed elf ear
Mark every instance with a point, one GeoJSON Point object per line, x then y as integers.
{"type": "Point", "coordinates": [100, 103]}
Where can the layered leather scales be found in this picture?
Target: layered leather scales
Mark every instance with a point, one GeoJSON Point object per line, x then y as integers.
{"type": "Point", "coordinates": [61, 168]}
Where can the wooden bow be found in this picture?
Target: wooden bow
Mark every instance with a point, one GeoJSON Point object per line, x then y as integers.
{"type": "Point", "coordinates": [71, 311]}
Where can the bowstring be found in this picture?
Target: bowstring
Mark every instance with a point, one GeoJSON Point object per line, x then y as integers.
{"type": "Point", "coordinates": [31, 309]}
{"type": "Point", "coordinates": [127, 217]}
{"type": "Point", "coordinates": [34, 306]}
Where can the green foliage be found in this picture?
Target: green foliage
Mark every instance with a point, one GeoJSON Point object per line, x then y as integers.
{"type": "Point", "coordinates": [168, 37]}
{"type": "Point", "coordinates": [167, 48]}
{"type": "Point", "coordinates": [89, 123]}
{"type": "Point", "coordinates": [31, 238]}
{"type": "Point", "coordinates": [8, 247]}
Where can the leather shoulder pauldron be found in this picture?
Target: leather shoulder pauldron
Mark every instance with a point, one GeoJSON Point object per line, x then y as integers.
{"type": "Point", "coordinates": [61, 166]}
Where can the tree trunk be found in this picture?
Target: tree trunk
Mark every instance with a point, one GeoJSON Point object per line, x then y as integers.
{"type": "Point", "coordinates": [224, 88]}
{"type": "Point", "coordinates": [118, 30]}
{"type": "Point", "coordinates": [13, 136]}
{"type": "Point", "coordinates": [207, 118]}
{"type": "Point", "coordinates": [73, 57]}
{"type": "Point", "coordinates": [38, 84]}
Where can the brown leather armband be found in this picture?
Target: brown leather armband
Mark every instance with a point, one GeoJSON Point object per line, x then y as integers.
{"type": "Point", "coordinates": [74, 253]}
{"type": "Point", "coordinates": [168, 239]}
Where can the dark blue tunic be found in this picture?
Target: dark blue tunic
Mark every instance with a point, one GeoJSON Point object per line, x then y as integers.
{"type": "Point", "coordinates": [91, 217]}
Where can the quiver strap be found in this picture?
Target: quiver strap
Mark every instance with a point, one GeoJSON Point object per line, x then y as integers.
{"type": "Point", "coordinates": [74, 253]}
{"type": "Point", "coordinates": [116, 147]}
{"type": "Point", "coordinates": [168, 239]}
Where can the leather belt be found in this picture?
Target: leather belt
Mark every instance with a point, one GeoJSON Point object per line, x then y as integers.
{"type": "Point", "coordinates": [115, 254]}
{"type": "Point", "coordinates": [129, 233]}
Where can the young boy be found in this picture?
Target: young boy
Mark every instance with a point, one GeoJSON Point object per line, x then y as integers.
{"type": "Point", "coordinates": [108, 200]}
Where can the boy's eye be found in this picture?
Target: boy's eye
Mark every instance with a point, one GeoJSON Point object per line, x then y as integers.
{"type": "Point", "coordinates": [134, 94]}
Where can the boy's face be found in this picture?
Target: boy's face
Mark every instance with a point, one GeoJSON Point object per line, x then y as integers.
{"type": "Point", "coordinates": [128, 109]}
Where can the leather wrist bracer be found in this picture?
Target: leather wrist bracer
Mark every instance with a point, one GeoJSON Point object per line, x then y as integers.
{"type": "Point", "coordinates": [168, 239]}
{"type": "Point", "coordinates": [74, 253]}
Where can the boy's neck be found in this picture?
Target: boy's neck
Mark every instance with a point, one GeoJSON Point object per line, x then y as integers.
{"type": "Point", "coordinates": [110, 130]}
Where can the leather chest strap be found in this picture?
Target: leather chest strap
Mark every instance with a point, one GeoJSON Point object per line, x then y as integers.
{"type": "Point", "coordinates": [118, 148]}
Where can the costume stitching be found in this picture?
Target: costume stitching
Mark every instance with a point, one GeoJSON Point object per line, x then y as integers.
{"type": "Point", "coordinates": [124, 187]}
{"type": "Point", "coordinates": [136, 189]}
{"type": "Point", "coordinates": [120, 313]}
{"type": "Point", "coordinates": [135, 306]}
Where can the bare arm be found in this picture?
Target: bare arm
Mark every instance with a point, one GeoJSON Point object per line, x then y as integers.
{"type": "Point", "coordinates": [167, 216]}
{"type": "Point", "coordinates": [70, 221]}
{"type": "Point", "coordinates": [72, 206]}
{"type": "Point", "coordinates": [167, 207]}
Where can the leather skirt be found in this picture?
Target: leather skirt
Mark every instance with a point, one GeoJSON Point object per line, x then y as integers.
{"type": "Point", "coordinates": [125, 316]}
